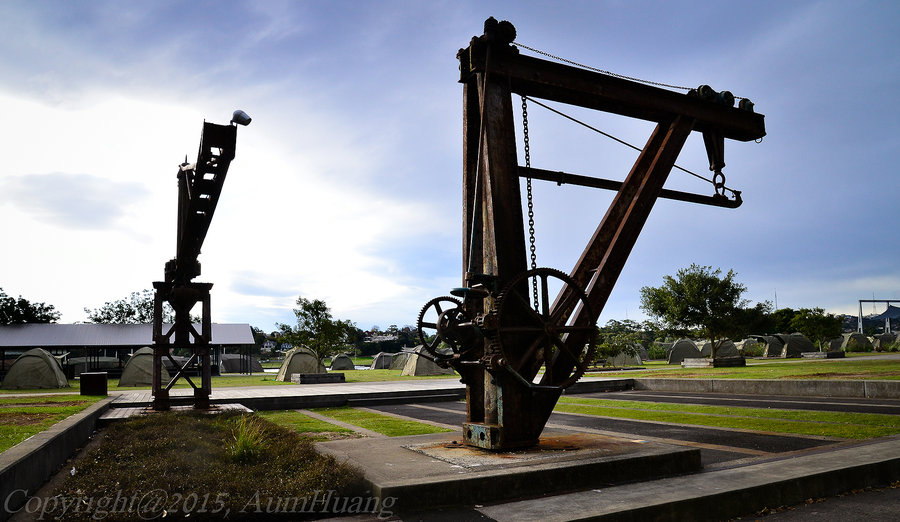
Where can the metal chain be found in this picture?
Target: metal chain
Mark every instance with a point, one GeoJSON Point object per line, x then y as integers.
{"type": "Point", "coordinates": [532, 247]}
{"type": "Point", "coordinates": [608, 73]}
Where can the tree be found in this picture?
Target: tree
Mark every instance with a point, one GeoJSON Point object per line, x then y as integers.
{"type": "Point", "coordinates": [757, 319]}
{"type": "Point", "coordinates": [781, 319]}
{"type": "Point", "coordinates": [617, 337]}
{"type": "Point", "coordinates": [316, 328]}
{"type": "Point", "coordinates": [698, 300]}
{"type": "Point", "coordinates": [815, 324]}
{"type": "Point", "coordinates": [20, 310]}
{"type": "Point", "coordinates": [135, 309]}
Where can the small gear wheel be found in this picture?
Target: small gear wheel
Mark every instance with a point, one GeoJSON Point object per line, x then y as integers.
{"type": "Point", "coordinates": [542, 335]}
{"type": "Point", "coordinates": [435, 324]}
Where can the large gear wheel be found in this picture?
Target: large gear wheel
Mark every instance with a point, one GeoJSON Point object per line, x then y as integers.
{"type": "Point", "coordinates": [533, 335]}
{"type": "Point", "coordinates": [436, 321]}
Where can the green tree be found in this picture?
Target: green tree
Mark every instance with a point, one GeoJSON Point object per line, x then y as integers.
{"type": "Point", "coordinates": [697, 300]}
{"type": "Point", "coordinates": [316, 328]}
{"type": "Point", "coordinates": [781, 320]}
{"type": "Point", "coordinates": [20, 310]}
{"type": "Point", "coordinates": [816, 325]}
{"type": "Point", "coordinates": [757, 319]}
{"type": "Point", "coordinates": [617, 337]}
{"type": "Point", "coordinates": [134, 309]}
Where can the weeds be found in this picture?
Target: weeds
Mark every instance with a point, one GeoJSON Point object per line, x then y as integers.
{"type": "Point", "coordinates": [248, 443]}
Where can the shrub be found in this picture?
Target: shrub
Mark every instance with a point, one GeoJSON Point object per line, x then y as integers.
{"type": "Point", "coordinates": [248, 443]}
{"type": "Point", "coordinates": [657, 352]}
{"type": "Point", "coordinates": [853, 346]}
{"type": "Point", "coordinates": [754, 350]}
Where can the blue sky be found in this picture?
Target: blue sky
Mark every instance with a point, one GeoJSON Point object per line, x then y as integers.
{"type": "Point", "coordinates": [347, 185]}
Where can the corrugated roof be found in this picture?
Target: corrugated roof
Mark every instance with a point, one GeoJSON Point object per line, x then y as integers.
{"type": "Point", "coordinates": [78, 335]}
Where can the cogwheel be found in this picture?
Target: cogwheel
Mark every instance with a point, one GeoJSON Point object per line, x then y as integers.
{"type": "Point", "coordinates": [428, 321]}
{"type": "Point", "coordinates": [530, 333]}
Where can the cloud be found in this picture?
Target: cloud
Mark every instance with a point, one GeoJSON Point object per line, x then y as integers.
{"type": "Point", "coordinates": [72, 201]}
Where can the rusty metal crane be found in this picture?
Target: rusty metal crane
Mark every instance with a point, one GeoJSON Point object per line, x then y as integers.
{"type": "Point", "coordinates": [518, 336]}
{"type": "Point", "coordinates": [199, 187]}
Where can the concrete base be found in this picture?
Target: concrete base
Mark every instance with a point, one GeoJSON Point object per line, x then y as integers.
{"type": "Point", "coordinates": [822, 355]}
{"type": "Point", "coordinates": [317, 378]}
{"type": "Point", "coordinates": [430, 471]}
{"type": "Point", "coordinates": [722, 362]}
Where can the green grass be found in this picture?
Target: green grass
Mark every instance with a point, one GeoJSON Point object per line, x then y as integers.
{"type": "Point", "coordinates": [856, 369]}
{"type": "Point", "coordinates": [384, 424]}
{"type": "Point", "coordinates": [303, 424]}
{"type": "Point", "coordinates": [21, 418]}
{"type": "Point", "coordinates": [830, 424]}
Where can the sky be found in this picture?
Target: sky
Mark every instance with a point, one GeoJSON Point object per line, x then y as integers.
{"type": "Point", "coordinates": [346, 186]}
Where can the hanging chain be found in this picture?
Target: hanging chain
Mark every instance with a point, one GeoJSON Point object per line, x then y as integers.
{"type": "Point", "coordinates": [532, 247]}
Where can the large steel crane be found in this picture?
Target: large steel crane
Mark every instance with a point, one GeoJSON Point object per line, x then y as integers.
{"type": "Point", "coordinates": [519, 336]}
{"type": "Point", "coordinates": [199, 187]}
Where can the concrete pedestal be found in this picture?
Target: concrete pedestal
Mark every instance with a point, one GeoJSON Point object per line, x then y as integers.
{"type": "Point", "coordinates": [429, 471]}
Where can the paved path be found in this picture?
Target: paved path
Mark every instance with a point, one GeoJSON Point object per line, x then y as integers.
{"type": "Point", "coordinates": [730, 458]}
{"type": "Point", "coordinates": [239, 393]}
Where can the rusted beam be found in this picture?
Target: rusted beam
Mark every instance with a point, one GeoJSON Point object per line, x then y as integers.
{"type": "Point", "coordinates": [472, 215]}
{"type": "Point", "coordinates": [565, 178]}
{"type": "Point", "coordinates": [539, 78]}
{"type": "Point", "coordinates": [504, 233]}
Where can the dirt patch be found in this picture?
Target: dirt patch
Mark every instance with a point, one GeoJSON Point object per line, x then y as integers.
{"type": "Point", "coordinates": [23, 419]}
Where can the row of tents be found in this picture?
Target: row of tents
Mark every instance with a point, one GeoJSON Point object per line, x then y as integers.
{"type": "Point", "coordinates": [778, 345]}
{"type": "Point", "coordinates": [411, 362]}
{"type": "Point", "coordinates": [38, 368]}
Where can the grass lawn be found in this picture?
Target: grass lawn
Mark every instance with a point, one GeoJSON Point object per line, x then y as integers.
{"type": "Point", "coordinates": [304, 424]}
{"type": "Point", "coordinates": [21, 418]}
{"type": "Point", "coordinates": [830, 424]}
{"type": "Point", "coordinates": [856, 369]}
{"type": "Point", "coordinates": [384, 424]}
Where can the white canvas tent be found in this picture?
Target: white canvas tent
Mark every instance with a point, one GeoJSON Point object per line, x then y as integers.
{"type": "Point", "coordinates": [882, 341]}
{"type": "Point", "coordinates": [727, 348]}
{"type": "Point", "coordinates": [382, 361]}
{"type": "Point", "coordinates": [400, 359]}
{"type": "Point", "coordinates": [746, 344]}
{"type": "Point", "coordinates": [419, 365]}
{"type": "Point", "coordinates": [774, 345]}
{"type": "Point", "coordinates": [138, 370]}
{"type": "Point", "coordinates": [856, 339]}
{"type": "Point", "coordinates": [795, 344]}
{"type": "Point", "coordinates": [299, 360]}
{"type": "Point", "coordinates": [833, 345]}
{"type": "Point", "coordinates": [625, 359]}
{"type": "Point", "coordinates": [35, 368]}
{"type": "Point", "coordinates": [342, 362]}
{"type": "Point", "coordinates": [681, 350]}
